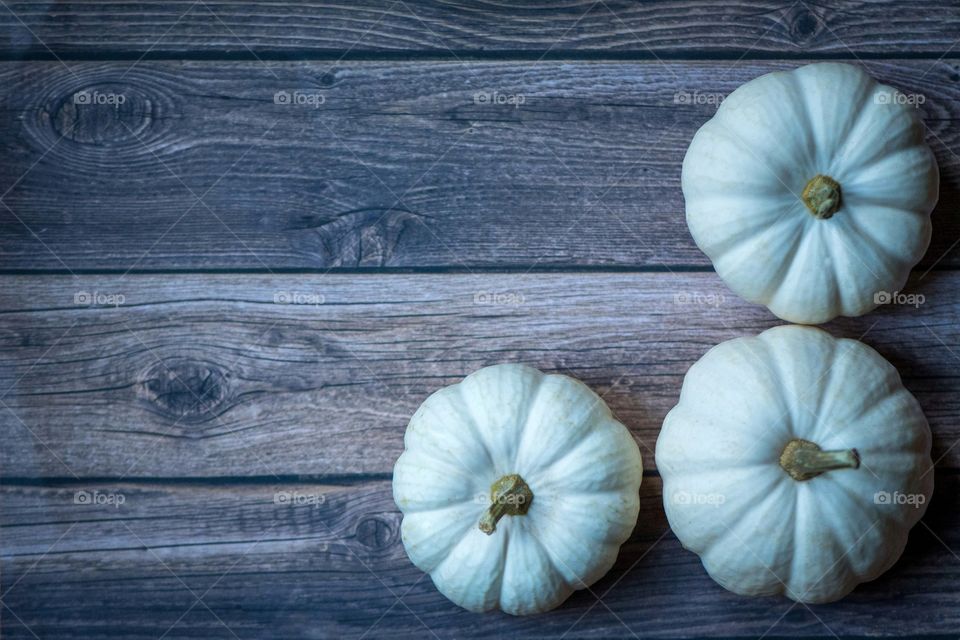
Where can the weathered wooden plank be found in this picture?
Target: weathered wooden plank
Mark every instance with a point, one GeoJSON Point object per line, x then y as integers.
{"type": "Point", "coordinates": [330, 564]}
{"type": "Point", "coordinates": [206, 375]}
{"type": "Point", "coordinates": [698, 27]}
{"type": "Point", "coordinates": [412, 165]}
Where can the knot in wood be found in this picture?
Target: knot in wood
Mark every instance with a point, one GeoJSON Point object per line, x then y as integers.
{"type": "Point", "coordinates": [185, 390]}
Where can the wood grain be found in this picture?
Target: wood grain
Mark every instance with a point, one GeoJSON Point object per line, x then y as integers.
{"type": "Point", "coordinates": [402, 166]}
{"type": "Point", "coordinates": [265, 561]}
{"type": "Point", "coordinates": [207, 455]}
{"type": "Point", "coordinates": [673, 28]}
{"type": "Point", "coordinates": [206, 376]}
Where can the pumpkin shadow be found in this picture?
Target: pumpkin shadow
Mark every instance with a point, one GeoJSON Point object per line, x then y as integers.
{"type": "Point", "coordinates": [945, 241]}
{"type": "Point", "coordinates": [946, 225]}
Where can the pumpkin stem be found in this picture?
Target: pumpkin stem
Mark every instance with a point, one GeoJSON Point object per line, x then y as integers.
{"type": "Point", "coordinates": [803, 459]}
{"type": "Point", "coordinates": [509, 496]}
{"type": "Point", "coordinates": [822, 196]}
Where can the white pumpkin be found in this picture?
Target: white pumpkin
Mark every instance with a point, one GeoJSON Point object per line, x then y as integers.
{"type": "Point", "coordinates": [517, 488]}
{"type": "Point", "coordinates": [811, 191]}
{"type": "Point", "coordinates": [795, 464]}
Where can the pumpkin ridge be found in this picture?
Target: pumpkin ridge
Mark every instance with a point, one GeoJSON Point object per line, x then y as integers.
{"type": "Point", "coordinates": [501, 544]}
{"type": "Point", "coordinates": [723, 539]}
{"type": "Point", "coordinates": [452, 467]}
{"type": "Point", "coordinates": [795, 537]}
{"type": "Point", "coordinates": [745, 235]}
{"type": "Point", "coordinates": [800, 267]}
{"type": "Point", "coordinates": [857, 503]}
{"type": "Point", "coordinates": [866, 386]}
{"type": "Point", "coordinates": [840, 249]}
{"type": "Point", "coordinates": [859, 244]}
{"type": "Point", "coordinates": [465, 420]}
{"type": "Point", "coordinates": [884, 390]}
{"type": "Point", "coordinates": [863, 107]}
{"type": "Point", "coordinates": [842, 564]}
{"type": "Point", "coordinates": [549, 480]}
{"type": "Point", "coordinates": [767, 356]}
{"type": "Point", "coordinates": [554, 561]}
{"type": "Point", "coordinates": [778, 173]}
{"type": "Point", "coordinates": [525, 533]}
{"type": "Point", "coordinates": [473, 423]}
{"type": "Point", "coordinates": [826, 144]}
{"type": "Point", "coordinates": [608, 548]}
{"type": "Point", "coordinates": [760, 494]}
{"type": "Point", "coordinates": [544, 465]}
{"type": "Point", "coordinates": [825, 383]}
{"type": "Point", "coordinates": [456, 533]}
{"type": "Point", "coordinates": [880, 152]}
{"type": "Point", "coordinates": [532, 404]}
{"type": "Point", "coordinates": [790, 249]}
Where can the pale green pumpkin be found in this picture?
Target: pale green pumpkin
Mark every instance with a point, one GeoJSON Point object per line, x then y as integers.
{"type": "Point", "coordinates": [811, 191]}
{"type": "Point", "coordinates": [795, 464]}
{"type": "Point", "coordinates": [516, 488]}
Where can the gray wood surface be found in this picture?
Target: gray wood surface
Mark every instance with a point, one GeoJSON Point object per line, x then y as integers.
{"type": "Point", "coordinates": [206, 375]}
{"type": "Point", "coordinates": [399, 167]}
{"type": "Point", "coordinates": [329, 564]}
{"type": "Point", "coordinates": [664, 28]}
{"type": "Point", "coordinates": [205, 450]}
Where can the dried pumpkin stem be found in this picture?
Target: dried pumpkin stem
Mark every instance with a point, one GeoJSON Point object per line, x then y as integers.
{"type": "Point", "coordinates": [509, 496]}
{"type": "Point", "coordinates": [803, 459]}
{"type": "Point", "coordinates": [822, 196]}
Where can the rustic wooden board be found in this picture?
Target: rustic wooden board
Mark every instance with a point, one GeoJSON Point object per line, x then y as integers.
{"type": "Point", "coordinates": [699, 27]}
{"type": "Point", "coordinates": [399, 167]}
{"type": "Point", "coordinates": [408, 230]}
{"type": "Point", "coordinates": [330, 564]}
{"type": "Point", "coordinates": [205, 375]}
